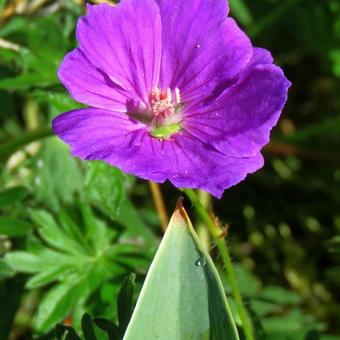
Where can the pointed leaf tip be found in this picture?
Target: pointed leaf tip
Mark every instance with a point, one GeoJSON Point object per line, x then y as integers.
{"type": "Point", "coordinates": [182, 296]}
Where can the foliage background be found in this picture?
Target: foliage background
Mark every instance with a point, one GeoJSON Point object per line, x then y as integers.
{"type": "Point", "coordinates": [71, 231]}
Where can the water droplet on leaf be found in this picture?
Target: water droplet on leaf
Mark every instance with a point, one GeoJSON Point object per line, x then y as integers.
{"type": "Point", "coordinates": [201, 262]}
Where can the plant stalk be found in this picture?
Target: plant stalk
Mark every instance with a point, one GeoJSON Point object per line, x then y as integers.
{"type": "Point", "coordinates": [159, 204]}
{"type": "Point", "coordinates": [218, 235]}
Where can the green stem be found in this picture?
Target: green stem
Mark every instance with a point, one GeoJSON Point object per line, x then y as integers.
{"type": "Point", "coordinates": [202, 231]}
{"type": "Point", "coordinates": [6, 149]}
{"type": "Point", "coordinates": [217, 234]}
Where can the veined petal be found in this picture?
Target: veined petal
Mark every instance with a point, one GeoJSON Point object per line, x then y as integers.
{"type": "Point", "coordinates": [239, 121]}
{"type": "Point", "coordinates": [201, 166]}
{"type": "Point", "coordinates": [124, 42]}
{"type": "Point", "coordinates": [90, 132]}
{"type": "Point", "coordinates": [96, 134]}
{"type": "Point", "coordinates": [229, 94]}
{"type": "Point", "coordinates": [260, 57]}
{"type": "Point", "coordinates": [89, 85]}
{"type": "Point", "coordinates": [202, 48]}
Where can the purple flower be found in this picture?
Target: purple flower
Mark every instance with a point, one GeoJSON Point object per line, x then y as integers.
{"type": "Point", "coordinates": [176, 91]}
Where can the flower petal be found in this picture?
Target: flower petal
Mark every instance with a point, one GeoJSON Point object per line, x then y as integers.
{"type": "Point", "coordinates": [96, 134]}
{"type": "Point", "coordinates": [239, 121]}
{"type": "Point", "coordinates": [89, 85]}
{"type": "Point", "coordinates": [260, 57]}
{"type": "Point", "coordinates": [91, 132]}
{"type": "Point", "coordinates": [118, 42]}
{"type": "Point", "coordinates": [200, 166]}
{"type": "Point", "coordinates": [201, 46]}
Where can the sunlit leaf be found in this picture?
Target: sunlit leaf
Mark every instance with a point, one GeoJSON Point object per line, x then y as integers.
{"type": "Point", "coordinates": [13, 227]}
{"type": "Point", "coordinates": [105, 186]}
{"type": "Point", "coordinates": [55, 305]}
{"type": "Point", "coordinates": [182, 296]}
{"type": "Point", "coordinates": [57, 175]}
{"type": "Point", "coordinates": [53, 235]}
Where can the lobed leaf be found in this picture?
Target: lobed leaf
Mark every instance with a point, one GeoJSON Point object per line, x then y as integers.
{"type": "Point", "coordinates": [56, 305]}
{"type": "Point", "coordinates": [105, 187]}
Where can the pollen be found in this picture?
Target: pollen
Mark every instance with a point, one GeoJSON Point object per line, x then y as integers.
{"type": "Point", "coordinates": [164, 106]}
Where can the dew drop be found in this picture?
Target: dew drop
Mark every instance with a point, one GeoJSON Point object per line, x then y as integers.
{"type": "Point", "coordinates": [201, 262]}
{"type": "Point", "coordinates": [198, 46]}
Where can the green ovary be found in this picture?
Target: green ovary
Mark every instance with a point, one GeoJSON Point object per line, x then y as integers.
{"type": "Point", "coordinates": [164, 132]}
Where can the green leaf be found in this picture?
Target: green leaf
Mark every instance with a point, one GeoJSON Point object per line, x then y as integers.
{"type": "Point", "coordinates": [72, 230]}
{"type": "Point", "coordinates": [249, 285]}
{"type": "Point", "coordinates": [58, 176]}
{"type": "Point", "coordinates": [28, 80]}
{"type": "Point", "coordinates": [288, 324]}
{"type": "Point", "coordinates": [65, 333]}
{"type": "Point", "coordinates": [129, 217]}
{"type": "Point", "coordinates": [13, 227]}
{"type": "Point", "coordinates": [125, 302]}
{"type": "Point", "coordinates": [87, 327]}
{"type": "Point", "coordinates": [329, 337]}
{"type": "Point", "coordinates": [240, 10]}
{"type": "Point", "coordinates": [53, 235]}
{"type": "Point", "coordinates": [59, 102]}
{"type": "Point", "coordinates": [45, 277]}
{"type": "Point", "coordinates": [55, 305]}
{"type": "Point", "coordinates": [110, 328]}
{"type": "Point", "coordinates": [5, 270]}
{"type": "Point", "coordinates": [97, 232]}
{"type": "Point", "coordinates": [24, 261]}
{"type": "Point", "coordinates": [12, 195]}
{"type": "Point", "coordinates": [105, 187]}
{"type": "Point", "coordinates": [280, 295]}
{"type": "Point", "coordinates": [334, 244]}
{"type": "Point", "coordinates": [182, 296]}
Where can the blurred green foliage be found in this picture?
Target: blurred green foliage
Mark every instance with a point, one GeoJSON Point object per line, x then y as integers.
{"type": "Point", "coordinates": [70, 231]}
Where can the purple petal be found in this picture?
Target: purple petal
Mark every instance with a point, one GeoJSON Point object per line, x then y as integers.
{"type": "Point", "coordinates": [201, 46]}
{"type": "Point", "coordinates": [90, 132]}
{"type": "Point", "coordinates": [200, 166]}
{"type": "Point", "coordinates": [238, 123]}
{"type": "Point", "coordinates": [89, 85]}
{"type": "Point", "coordinates": [260, 57]}
{"type": "Point", "coordinates": [123, 42]}
{"type": "Point", "coordinates": [96, 134]}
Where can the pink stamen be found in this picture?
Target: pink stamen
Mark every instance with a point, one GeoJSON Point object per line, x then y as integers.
{"type": "Point", "coordinates": [163, 109]}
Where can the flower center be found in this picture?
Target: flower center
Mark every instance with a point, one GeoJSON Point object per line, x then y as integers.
{"type": "Point", "coordinates": [165, 111]}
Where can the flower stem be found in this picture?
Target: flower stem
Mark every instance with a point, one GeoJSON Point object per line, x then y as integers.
{"type": "Point", "coordinates": [218, 233]}
{"type": "Point", "coordinates": [159, 204]}
{"type": "Point", "coordinates": [202, 231]}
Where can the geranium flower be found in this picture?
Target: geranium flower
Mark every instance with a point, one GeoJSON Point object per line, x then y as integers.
{"type": "Point", "coordinates": [176, 92]}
